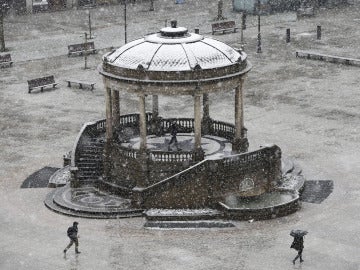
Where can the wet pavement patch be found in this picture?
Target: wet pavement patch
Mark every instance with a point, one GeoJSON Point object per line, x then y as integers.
{"type": "Point", "coordinates": [316, 191]}
{"type": "Point", "coordinates": [39, 179]}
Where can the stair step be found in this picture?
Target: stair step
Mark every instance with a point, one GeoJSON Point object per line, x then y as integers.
{"type": "Point", "coordinates": [188, 224]}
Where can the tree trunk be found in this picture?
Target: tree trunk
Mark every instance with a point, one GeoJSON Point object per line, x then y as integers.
{"type": "Point", "coordinates": [2, 38]}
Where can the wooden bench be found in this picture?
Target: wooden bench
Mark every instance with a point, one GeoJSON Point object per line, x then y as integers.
{"type": "Point", "coordinates": [79, 49]}
{"type": "Point", "coordinates": [5, 60]}
{"type": "Point", "coordinates": [223, 27]}
{"type": "Point", "coordinates": [305, 11]}
{"type": "Point", "coordinates": [41, 83]}
{"type": "Point", "coordinates": [80, 83]}
{"type": "Point", "coordinates": [328, 58]}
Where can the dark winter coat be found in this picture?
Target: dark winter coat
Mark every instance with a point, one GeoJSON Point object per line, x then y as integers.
{"type": "Point", "coordinates": [72, 232]}
{"type": "Point", "coordinates": [173, 130]}
{"type": "Point", "coordinates": [298, 243]}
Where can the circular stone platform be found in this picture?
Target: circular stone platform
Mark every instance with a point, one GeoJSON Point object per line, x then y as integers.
{"type": "Point", "coordinates": [89, 202]}
{"type": "Point", "coordinates": [213, 146]}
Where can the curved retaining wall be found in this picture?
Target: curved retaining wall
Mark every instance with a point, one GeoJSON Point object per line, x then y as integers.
{"type": "Point", "coordinates": [209, 181]}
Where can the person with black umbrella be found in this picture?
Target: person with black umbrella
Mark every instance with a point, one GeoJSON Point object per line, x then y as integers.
{"type": "Point", "coordinates": [298, 243]}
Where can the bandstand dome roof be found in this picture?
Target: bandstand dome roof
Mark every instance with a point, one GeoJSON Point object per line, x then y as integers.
{"type": "Point", "coordinates": [172, 57]}
{"type": "Point", "coordinates": [174, 49]}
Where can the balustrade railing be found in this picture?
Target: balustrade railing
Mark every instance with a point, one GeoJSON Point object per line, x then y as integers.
{"type": "Point", "coordinates": [222, 129]}
{"type": "Point", "coordinates": [128, 152]}
{"type": "Point", "coordinates": [247, 158]}
{"type": "Point", "coordinates": [129, 120]}
{"type": "Point", "coordinates": [159, 156]}
{"type": "Point", "coordinates": [184, 125]}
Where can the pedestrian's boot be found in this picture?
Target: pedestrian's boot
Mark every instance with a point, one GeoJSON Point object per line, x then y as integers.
{"type": "Point", "coordinates": [293, 261]}
{"type": "Point", "coordinates": [77, 251]}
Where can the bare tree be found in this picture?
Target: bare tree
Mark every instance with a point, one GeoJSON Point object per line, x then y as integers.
{"type": "Point", "coordinates": [3, 10]}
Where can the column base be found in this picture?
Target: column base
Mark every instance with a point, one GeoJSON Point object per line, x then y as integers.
{"type": "Point", "coordinates": [143, 175]}
{"type": "Point", "coordinates": [155, 127]}
{"type": "Point", "coordinates": [206, 126]}
{"type": "Point", "coordinates": [137, 198]}
{"type": "Point", "coordinates": [199, 154]}
{"type": "Point", "coordinates": [240, 145]}
{"type": "Point", "coordinates": [107, 161]}
{"type": "Point", "coordinates": [74, 181]}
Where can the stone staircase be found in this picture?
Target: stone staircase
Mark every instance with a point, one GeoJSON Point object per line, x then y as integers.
{"type": "Point", "coordinates": [90, 161]}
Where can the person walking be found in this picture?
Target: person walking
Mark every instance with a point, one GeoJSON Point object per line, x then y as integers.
{"type": "Point", "coordinates": [173, 132]}
{"type": "Point", "coordinates": [72, 233]}
{"type": "Point", "coordinates": [298, 244]}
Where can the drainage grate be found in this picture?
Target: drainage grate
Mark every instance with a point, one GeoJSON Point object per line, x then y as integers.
{"type": "Point", "coordinates": [39, 179]}
{"type": "Point", "coordinates": [316, 191]}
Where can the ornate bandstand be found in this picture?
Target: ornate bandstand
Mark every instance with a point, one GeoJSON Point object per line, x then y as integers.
{"type": "Point", "coordinates": [129, 156]}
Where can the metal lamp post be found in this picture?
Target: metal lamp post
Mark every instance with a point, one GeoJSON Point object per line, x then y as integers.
{"type": "Point", "coordinates": [125, 23]}
{"type": "Point", "coordinates": [259, 33]}
{"type": "Point", "coordinates": [86, 51]}
{"type": "Point", "coordinates": [3, 10]}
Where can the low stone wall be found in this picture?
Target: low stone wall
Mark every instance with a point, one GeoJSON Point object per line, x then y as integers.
{"type": "Point", "coordinates": [208, 182]}
{"type": "Point", "coordinates": [272, 211]}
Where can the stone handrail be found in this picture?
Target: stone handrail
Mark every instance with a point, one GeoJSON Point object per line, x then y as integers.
{"type": "Point", "coordinates": [89, 128]}
{"type": "Point", "coordinates": [246, 158]}
{"type": "Point", "coordinates": [176, 179]}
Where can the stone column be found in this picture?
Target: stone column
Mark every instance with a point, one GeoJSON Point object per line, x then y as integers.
{"type": "Point", "coordinates": [155, 106]}
{"type": "Point", "coordinates": [115, 109]}
{"type": "Point", "coordinates": [156, 121]}
{"type": "Point", "coordinates": [240, 143]}
{"type": "Point", "coordinates": [109, 133]}
{"type": "Point", "coordinates": [109, 121]}
{"type": "Point", "coordinates": [142, 176]}
{"type": "Point", "coordinates": [142, 121]}
{"type": "Point", "coordinates": [199, 154]}
{"type": "Point", "coordinates": [206, 121]}
{"type": "Point", "coordinates": [29, 6]}
{"type": "Point", "coordinates": [71, 3]}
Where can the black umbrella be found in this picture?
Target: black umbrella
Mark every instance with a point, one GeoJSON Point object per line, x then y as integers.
{"type": "Point", "coordinates": [300, 233]}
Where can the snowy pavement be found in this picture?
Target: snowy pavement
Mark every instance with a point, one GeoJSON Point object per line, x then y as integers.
{"type": "Point", "coordinates": [308, 108]}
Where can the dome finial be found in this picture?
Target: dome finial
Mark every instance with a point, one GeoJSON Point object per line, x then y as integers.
{"type": "Point", "coordinates": [173, 23]}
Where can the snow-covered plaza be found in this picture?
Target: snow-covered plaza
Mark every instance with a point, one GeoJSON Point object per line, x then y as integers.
{"type": "Point", "coordinates": [308, 108]}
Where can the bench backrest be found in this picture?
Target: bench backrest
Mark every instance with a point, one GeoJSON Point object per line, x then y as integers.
{"type": "Point", "coordinates": [5, 58]}
{"type": "Point", "coordinates": [223, 25]}
{"type": "Point", "coordinates": [81, 47]}
{"type": "Point", "coordinates": [41, 81]}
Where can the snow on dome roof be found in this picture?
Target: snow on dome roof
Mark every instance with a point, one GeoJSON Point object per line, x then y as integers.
{"type": "Point", "coordinates": [174, 49]}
